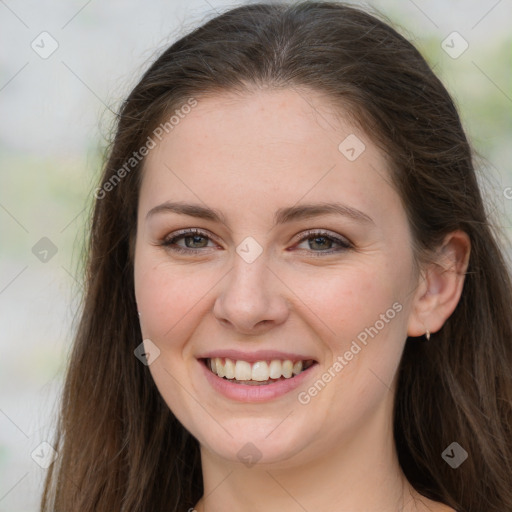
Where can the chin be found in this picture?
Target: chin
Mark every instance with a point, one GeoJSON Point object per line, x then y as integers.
{"type": "Point", "coordinates": [252, 444]}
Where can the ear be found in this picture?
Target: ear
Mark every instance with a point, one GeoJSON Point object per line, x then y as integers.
{"type": "Point", "coordinates": [440, 285]}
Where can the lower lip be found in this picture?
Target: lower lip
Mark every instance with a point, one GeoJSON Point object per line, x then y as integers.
{"type": "Point", "coordinates": [248, 393]}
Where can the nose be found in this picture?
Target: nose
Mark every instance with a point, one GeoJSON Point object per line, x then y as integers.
{"type": "Point", "coordinates": [252, 298]}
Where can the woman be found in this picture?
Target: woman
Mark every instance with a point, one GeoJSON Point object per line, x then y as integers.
{"type": "Point", "coordinates": [294, 297]}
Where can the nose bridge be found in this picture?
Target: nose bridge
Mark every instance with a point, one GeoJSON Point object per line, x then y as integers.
{"type": "Point", "coordinates": [250, 277]}
{"type": "Point", "coordinates": [248, 284]}
{"type": "Point", "coordinates": [250, 294]}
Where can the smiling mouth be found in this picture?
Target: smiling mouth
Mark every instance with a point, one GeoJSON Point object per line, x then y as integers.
{"type": "Point", "coordinates": [260, 373]}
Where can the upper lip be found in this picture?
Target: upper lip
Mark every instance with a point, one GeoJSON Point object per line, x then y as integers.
{"type": "Point", "coordinates": [253, 357]}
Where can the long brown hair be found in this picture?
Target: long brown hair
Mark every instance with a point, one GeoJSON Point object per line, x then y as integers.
{"type": "Point", "coordinates": [120, 447]}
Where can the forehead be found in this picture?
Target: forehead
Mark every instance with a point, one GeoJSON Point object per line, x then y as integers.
{"type": "Point", "coordinates": [270, 118]}
{"type": "Point", "coordinates": [263, 148]}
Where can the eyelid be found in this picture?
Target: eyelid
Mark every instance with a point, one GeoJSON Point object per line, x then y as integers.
{"type": "Point", "coordinates": [303, 235]}
{"type": "Point", "coordinates": [182, 233]}
{"type": "Point", "coordinates": [186, 231]}
{"type": "Point", "coordinates": [344, 244]}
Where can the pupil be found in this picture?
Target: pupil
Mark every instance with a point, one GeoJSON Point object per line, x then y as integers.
{"type": "Point", "coordinates": [195, 238]}
{"type": "Point", "coordinates": [321, 238]}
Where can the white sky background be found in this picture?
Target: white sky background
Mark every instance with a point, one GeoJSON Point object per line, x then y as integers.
{"type": "Point", "coordinates": [53, 109]}
{"type": "Point", "coordinates": [107, 44]}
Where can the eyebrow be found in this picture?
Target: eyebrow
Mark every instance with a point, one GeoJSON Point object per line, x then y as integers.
{"type": "Point", "coordinates": [282, 215]}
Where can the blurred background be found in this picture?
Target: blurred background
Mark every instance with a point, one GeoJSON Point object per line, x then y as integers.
{"type": "Point", "coordinates": [64, 66]}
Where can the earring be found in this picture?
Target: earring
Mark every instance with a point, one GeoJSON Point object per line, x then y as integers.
{"type": "Point", "coordinates": [427, 334]}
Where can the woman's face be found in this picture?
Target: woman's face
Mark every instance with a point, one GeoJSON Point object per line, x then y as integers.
{"type": "Point", "coordinates": [278, 278]}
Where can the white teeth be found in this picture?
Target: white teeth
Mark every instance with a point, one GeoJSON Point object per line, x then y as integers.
{"type": "Point", "coordinates": [221, 372]}
{"type": "Point", "coordinates": [275, 369]}
{"type": "Point", "coordinates": [242, 370]}
{"type": "Point", "coordinates": [229, 369]}
{"type": "Point", "coordinates": [258, 371]}
{"type": "Point", "coordinates": [297, 367]}
{"type": "Point", "coordinates": [287, 369]}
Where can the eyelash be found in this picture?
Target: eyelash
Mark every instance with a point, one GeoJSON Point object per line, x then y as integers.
{"type": "Point", "coordinates": [169, 243]}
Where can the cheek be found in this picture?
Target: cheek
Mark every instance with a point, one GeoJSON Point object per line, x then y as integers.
{"type": "Point", "coordinates": [165, 295]}
{"type": "Point", "coordinates": [351, 299]}
{"type": "Point", "coordinates": [363, 321]}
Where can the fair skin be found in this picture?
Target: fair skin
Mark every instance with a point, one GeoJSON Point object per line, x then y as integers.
{"type": "Point", "coordinates": [248, 156]}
